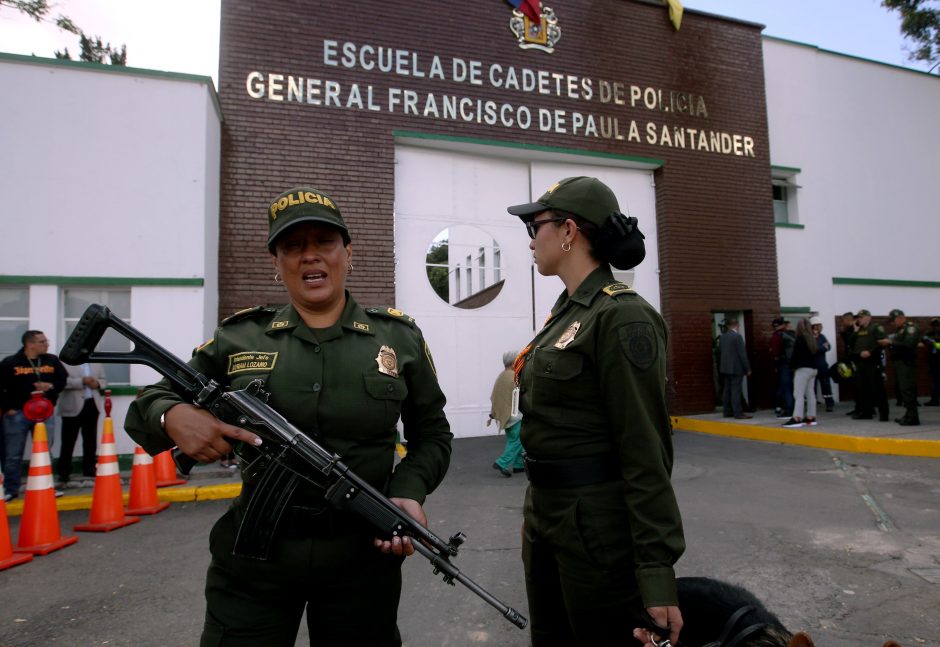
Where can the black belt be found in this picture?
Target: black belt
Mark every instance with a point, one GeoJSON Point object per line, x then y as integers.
{"type": "Point", "coordinates": [572, 472]}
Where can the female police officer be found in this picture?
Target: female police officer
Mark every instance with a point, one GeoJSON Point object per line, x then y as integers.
{"type": "Point", "coordinates": [602, 529]}
{"type": "Point", "coordinates": [335, 370]}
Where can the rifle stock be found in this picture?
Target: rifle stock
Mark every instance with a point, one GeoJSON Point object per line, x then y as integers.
{"type": "Point", "coordinates": [286, 456]}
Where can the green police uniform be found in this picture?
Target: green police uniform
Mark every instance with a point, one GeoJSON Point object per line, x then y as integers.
{"type": "Point", "coordinates": [904, 360]}
{"type": "Point", "coordinates": [869, 383]}
{"type": "Point", "coordinates": [602, 526]}
{"type": "Point", "coordinates": [348, 385]}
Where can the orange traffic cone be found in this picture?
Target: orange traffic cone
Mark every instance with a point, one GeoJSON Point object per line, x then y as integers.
{"type": "Point", "coordinates": [39, 524]}
{"type": "Point", "coordinates": [8, 559]}
{"type": "Point", "coordinates": [166, 470]}
{"type": "Point", "coordinates": [143, 498]}
{"type": "Point", "coordinates": [107, 502]}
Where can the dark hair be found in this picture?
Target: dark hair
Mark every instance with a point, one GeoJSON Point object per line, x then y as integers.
{"type": "Point", "coordinates": [29, 335]}
{"type": "Point", "coordinates": [619, 242]}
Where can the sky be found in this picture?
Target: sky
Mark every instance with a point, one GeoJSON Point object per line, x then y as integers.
{"type": "Point", "coordinates": [183, 35]}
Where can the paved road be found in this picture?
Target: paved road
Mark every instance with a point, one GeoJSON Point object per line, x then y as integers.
{"type": "Point", "coordinates": [845, 546]}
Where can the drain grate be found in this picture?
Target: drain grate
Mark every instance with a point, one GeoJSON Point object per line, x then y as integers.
{"type": "Point", "coordinates": [930, 573]}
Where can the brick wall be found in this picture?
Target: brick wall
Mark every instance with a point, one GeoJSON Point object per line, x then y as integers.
{"type": "Point", "coordinates": [716, 235]}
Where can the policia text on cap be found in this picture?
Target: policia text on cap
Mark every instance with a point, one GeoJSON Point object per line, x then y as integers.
{"type": "Point", "coordinates": [345, 375]}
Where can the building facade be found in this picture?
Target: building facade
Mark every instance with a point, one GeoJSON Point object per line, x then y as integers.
{"type": "Point", "coordinates": [768, 176]}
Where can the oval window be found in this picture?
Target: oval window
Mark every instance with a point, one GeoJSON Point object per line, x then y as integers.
{"type": "Point", "coordinates": [464, 266]}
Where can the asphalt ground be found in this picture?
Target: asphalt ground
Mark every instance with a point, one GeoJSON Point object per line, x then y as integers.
{"type": "Point", "coordinates": [841, 544]}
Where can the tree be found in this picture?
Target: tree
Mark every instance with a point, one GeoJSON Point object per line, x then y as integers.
{"type": "Point", "coordinates": [920, 22]}
{"type": "Point", "coordinates": [92, 49]}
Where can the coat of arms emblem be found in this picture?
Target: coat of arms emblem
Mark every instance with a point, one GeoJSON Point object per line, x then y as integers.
{"type": "Point", "coordinates": [531, 34]}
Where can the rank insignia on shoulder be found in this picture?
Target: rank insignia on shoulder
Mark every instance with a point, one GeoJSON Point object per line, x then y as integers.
{"type": "Point", "coordinates": [241, 314]}
{"type": "Point", "coordinates": [618, 288]}
{"type": "Point", "coordinates": [387, 361]}
{"type": "Point", "coordinates": [279, 324]}
{"type": "Point", "coordinates": [361, 326]}
{"type": "Point", "coordinates": [568, 336]}
{"type": "Point", "coordinates": [396, 313]}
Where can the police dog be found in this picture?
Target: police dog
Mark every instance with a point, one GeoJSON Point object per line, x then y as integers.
{"type": "Point", "coordinates": [718, 614]}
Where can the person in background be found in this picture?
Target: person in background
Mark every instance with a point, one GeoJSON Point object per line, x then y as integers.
{"type": "Point", "coordinates": [822, 364]}
{"type": "Point", "coordinates": [31, 369]}
{"type": "Point", "coordinates": [79, 406]}
{"type": "Point", "coordinates": [507, 418]}
{"type": "Point", "coordinates": [781, 350]}
{"type": "Point", "coordinates": [338, 371]}
{"type": "Point", "coordinates": [803, 364]}
{"type": "Point", "coordinates": [734, 367]}
{"type": "Point", "coordinates": [903, 346]}
{"type": "Point", "coordinates": [849, 326]}
{"type": "Point", "coordinates": [869, 380]}
{"type": "Point", "coordinates": [932, 342]}
{"type": "Point", "coordinates": [602, 529]}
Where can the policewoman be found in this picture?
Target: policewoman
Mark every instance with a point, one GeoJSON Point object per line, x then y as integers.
{"type": "Point", "coordinates": [345, 375]}
{"type": "Point", "coordinates": [602, 529]}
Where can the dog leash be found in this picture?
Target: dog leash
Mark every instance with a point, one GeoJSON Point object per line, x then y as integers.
{"type": "Point", "coordinates": [730, 625]}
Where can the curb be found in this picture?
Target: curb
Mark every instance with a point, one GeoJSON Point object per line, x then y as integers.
{"type": "Point", "coordinates": [855, 444]}
{"type": "Point", "coordinates": [182, 494]}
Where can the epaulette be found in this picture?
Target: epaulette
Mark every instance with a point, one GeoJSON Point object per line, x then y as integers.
{"type": "Point", "coordinates": [247, 312]}
{"type": "Point", "coordinates": [618, 288]}
{"type": "Point", "coordinates": [392, 313]}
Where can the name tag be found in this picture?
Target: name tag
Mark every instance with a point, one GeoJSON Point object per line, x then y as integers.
{"type": "Point", "coordinates": [251, 361]}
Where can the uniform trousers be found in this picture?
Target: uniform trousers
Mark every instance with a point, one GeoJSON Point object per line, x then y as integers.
{"type": "Point", "coordinates": [870, 389]}
{"type": "Point", "coordinates": [87, 423]}
{"type": "Point", "coordinates": [907, 389]}
{"type": "Point", "coordinates": [579, 567]}
{"type": "Point", "coordinates": [349, 589]}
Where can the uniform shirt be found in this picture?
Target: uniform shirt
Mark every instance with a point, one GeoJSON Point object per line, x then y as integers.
{"type": "Point", "coordinates": [904, 344]}
{"type": "Point", "coordinates": [593, 383]}
{"type": "Point", "coordinates": [867, 339]}
{"type": "Point", "coordinates": [346, 386]}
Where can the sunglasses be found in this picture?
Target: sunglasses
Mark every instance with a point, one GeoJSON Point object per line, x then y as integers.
{"type": "Point", "coordinates": [533, 225]}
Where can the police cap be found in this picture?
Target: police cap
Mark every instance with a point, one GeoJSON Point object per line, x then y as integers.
{"type": "Point", "coordinates": [894, 314]}
{"type": "Point", "coordinates": [863, 313]}
{"type": "Point", "coordinates": [587, 197]}
{"type": "Point", "coordinates": [303, 204]}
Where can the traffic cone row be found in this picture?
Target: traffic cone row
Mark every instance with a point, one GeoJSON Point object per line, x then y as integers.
{"type": "Point", "coordinates": [8, 559]}
{"type": "Point", "coordinates": [39, 524]}
{"type": "Point", "coordinates": [107, 504]}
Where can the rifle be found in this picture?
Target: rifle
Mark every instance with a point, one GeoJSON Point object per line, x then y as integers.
{"type": "Point", "coordinates": [285, 457]}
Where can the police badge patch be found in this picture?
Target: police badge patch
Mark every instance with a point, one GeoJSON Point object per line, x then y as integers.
{"type": "Point", "coordinates": [387, 361]}
{"type": "Point", "coordinates": [638, 343]}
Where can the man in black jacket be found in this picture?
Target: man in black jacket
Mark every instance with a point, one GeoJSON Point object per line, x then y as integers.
{"type": "Point", "coordinates": [733, 366]}
{"type": "Point", "coordinates": [31, 369]}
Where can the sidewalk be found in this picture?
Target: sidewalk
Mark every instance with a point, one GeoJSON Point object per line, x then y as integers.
{"type": "Point", "coordinates": [206, 483]}
{"type": "Point", "coordinates": [835, 431]}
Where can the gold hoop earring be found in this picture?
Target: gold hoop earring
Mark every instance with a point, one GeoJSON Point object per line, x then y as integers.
{"type": "Point", "coordinates": [349, 268]}
{"type": "Point", "coordinates": [277, 278]}
{"type": "Point", "coordinates": [566, 249]}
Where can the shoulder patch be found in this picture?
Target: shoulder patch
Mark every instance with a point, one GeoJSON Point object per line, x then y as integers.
{"type": "Point", "coordinates": [638, 344]}
{"type": "Point", "coordinates": [618, 288]}
{"type": "Point", "coordinates": [392, 313]}
{"type": "Point", "coordinates": [246, 313]}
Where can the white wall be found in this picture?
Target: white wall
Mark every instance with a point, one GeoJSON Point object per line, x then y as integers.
{"type": "Point", "coordinates": [864, 136]}
{"type": "Point", "coordinates": [113, 175]}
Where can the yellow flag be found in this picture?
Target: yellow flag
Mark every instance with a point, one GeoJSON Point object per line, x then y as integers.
{"type": "Point", "coordinates": [675, 12]}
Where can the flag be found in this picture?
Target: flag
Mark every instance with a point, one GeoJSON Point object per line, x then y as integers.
{"type": "Point", "coordinates": [531, 8]}
{"type": "Point", "coordinates": [675, 12]}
